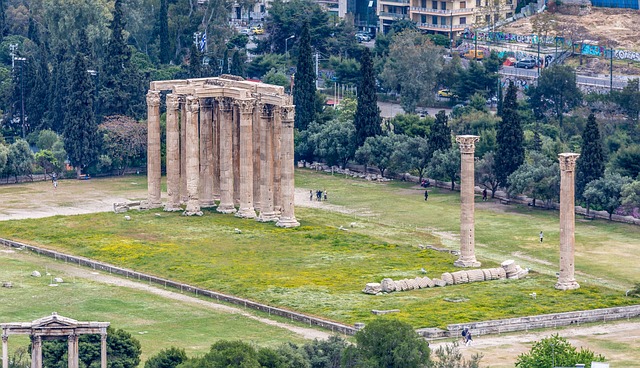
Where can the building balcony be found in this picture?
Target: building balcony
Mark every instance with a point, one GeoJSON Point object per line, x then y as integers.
{"type": "Point", "coordinates": [441, 12]}
{"type": "Point", "coordinates": [442, 27]}
{"type": "Point", "coordinates": [394, 2]}
{"type": "Point", "coordinates": [392, 15]}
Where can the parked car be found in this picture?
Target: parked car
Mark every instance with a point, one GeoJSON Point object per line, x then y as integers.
{"type": "Point", "coordinates": [526, 63]}
{"type": "Point", "coordinates": [257, 30]}
{"type": "Point", "coordinates": [363, 37]}
{"type": "Point", "coordinates": [446, 93]}
{"type": "Point", "coordinates": [473, 54]}
{"type": "Point", "coordinates": [246, 31]}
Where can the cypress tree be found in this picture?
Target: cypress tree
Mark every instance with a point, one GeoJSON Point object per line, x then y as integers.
{"type": "Point", "coordinates": [58, 91]}
{"type": "Point", "coordinates": [590, 164]}
{"type": "Point", "coordinates": [163, 30]}
{"type": "Point", "coordinates": [3, 20]}
{"type": "Point", "coordinates": [509, 138]}
{"type": "Point", "coordinates": [367, 118]}
{"type": "Point", "coordinates": [195, 62]}
{"type": "Point", "coordinates": [499, 97]}
{"type": "Point", "coordinates": [81, 138]}
{"type": "Point", "coordinates": [237, 64]}
{"type": "Point", "coordinates": [440, 135]}
{"type": "Point", "coordinates": [225, 61]}
{"type": "Point", "coordinates": [35, 102]}
{"type": "Point", "coordinates": [304, 87]}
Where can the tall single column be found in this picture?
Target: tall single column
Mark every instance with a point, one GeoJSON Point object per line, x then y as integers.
{"type": "Point", "coordinates": [173, 154]}
{"type": "Point", "coordinates": [5, 350]}
{"type": "Point", "coordinates": [287, 216]}
{"type": "Point", "coordinates": [216, 149]}
{"type": "Point", "coordinates": [206, 153]}
{"type": "Point", "coordinates": [153, 150]}
{"type": "Point", "coordinates": [246, 209]}
{"type": "Point", "coordinates": [193, 158]}
{"type": "Point", "coordinates": [72, 352]}
{"type": "Point", "coordinates": [566, 280]}
{"type": "Point", "coordinates": [266, 165]}
{"type": "Point", "coordinates": [36, 351]}
{"type": "Point", "coordinates": [467, 258]}
{"type": "Point", "coordinates": [257, 112]}
{"type": "Point", "coordinates": [103, 350]}
{"type": "Point", "coordinates": [277, 160]}
{"type": "Point", "coordinates": [183, 150]}
{"type": "Point", "coordinates": [235, 152]}
{"type": "Point", "coordinates": [226, 158]}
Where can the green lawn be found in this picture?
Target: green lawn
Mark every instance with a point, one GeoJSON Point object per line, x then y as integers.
{"type": "Point", "coordinates": [320, 270]}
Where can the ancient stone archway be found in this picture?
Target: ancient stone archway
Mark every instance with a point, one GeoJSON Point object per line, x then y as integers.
{"type": "Point", "coordinates": [51, 328]}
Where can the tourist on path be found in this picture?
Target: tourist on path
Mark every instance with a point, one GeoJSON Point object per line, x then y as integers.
{"type": "Point", "coordinates": [541, 236]}
{"type": "Point", "coordinates": [469, 338]}
{"type": "Point", "coordinates": [426, 195]}
{"type": "Point", "coordinates": [484, 194]}
{"type": "Point", "coordinates": [310, 195]}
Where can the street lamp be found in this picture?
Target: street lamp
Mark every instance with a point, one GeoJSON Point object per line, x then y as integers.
{"type": "Point", "coordinates": [22, 60]}
{"type": "Point", "coordinates": [94, 73]}
{"type": "Point", "coordinates": [286, 45]}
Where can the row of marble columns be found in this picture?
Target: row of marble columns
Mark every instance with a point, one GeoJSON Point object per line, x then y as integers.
{"type": "Point", "coordinates": [72, 354]}
{"type": "Point", "coordinates": [235, 151]}
{"type": "Point", "coordinates": [566, 278]}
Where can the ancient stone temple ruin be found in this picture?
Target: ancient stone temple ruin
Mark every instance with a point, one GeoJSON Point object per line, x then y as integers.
{"type": "Point", "coordinates": [566, 279]}
{"type": "Point", "coordinates": [227, 140]}
{"type": "Point", "coordinates": [467, 258]}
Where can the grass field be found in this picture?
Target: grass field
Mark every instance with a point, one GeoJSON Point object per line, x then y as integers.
{"type": "Point", "coordinates": [156, 321]}
{"type": "Point", "coordinates": [321, 270]}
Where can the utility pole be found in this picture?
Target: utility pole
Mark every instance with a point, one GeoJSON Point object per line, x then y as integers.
{"type": "Point", "coordinates": [13, 47]}
{"type": "Point", "coordinates": [22, 60]}
{"type": "Point", "coordinates": [317, 57]}
{"type": "Point", "coordinates": [611, 71]}
{"type": "Point", "coordinates": [538, 62]}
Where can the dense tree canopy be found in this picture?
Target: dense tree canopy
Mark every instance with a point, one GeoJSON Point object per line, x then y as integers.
{"type": "Point", "coordinates": [509, 138]}
{"type": "Point", "coordinates": [367, 119]}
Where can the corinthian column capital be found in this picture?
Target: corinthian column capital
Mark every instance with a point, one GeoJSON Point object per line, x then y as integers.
{"type": "Point", "coordinates": [245, 106]}
{"type": "Point", "coordinates": [173, 102]}
{"type": "Point", "coordinates": [467, 143]}
{"type": "Point", "coordinates": [287, 113]}
{"type": "Point", "coordinates": [153, 98]}
{"type": "Point", "coordinates": [192, 104]}
{"type": "Point", "coordinates": [568, 161]}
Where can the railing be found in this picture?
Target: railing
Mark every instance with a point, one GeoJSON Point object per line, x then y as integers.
{"type": "Point", "coordinates": [393, 15]}
{"type": "Point", "coordinates": [444, 27]}
{"type": "Point", "coordinates": [441, 11]}
{"type": "Point", "coordinates": [394, 1]}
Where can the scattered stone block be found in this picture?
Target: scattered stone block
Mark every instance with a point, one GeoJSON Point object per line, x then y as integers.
{"type": "Point", "coordinates": [58, 280]}
{"type": "Point", "coordinates": [372, 288]}
{"type": "Point", "coordinates": [383, 312]}
{"type": "Point", "coordinates": [475, 275]}
{"type": "Point", "coordinates": [388, 285]}
{"type": "Point", "coordinates": [460, 277]}
{"type": "Point", "coordinates": [358, 326]}
{"type": "Point", "coordinates": [447, 278]}
{"type": "Point", "coordinates": [439, 283]}
{"type": "Point", "coordinates": [128, 218]}
{"type": "Point", "coordinates": [7, 284]}
{"type": "Point", "coordinates": [36, 274]}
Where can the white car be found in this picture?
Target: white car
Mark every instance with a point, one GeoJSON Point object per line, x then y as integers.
{"type": "Point", "coordinates": [246, 31]}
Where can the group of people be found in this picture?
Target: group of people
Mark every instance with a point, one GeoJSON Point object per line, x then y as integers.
{"type": "Point", "coordinates": [320, 194]}
{"type": "Point", "coordinates": [466, 336]}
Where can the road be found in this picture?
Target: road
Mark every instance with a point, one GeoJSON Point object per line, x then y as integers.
{"type": "Point", "coordinates": [390, 109]}
{"type": "Point", "coordinates": [580, 79]}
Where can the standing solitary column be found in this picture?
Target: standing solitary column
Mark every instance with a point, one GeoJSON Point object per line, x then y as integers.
{"type": "Point", "coordinates": [257, 112]}
{"type": "Point", "coordinates": [193, 158]}
{"type": "Point", "coordinates": [72, 352]}
{"type": "Point", "coordinates": [566, 280]}
{"type": "Point", "coordinates": [206, 153]}
{"type": "Point", "coordinates": [153, 150]}
{"type": "Point", "coordinates": [216, 149]}
{"type": "Point", "coordinates": [245, 108]}
{"type": "Point", "coordinates": [467, 258]}
{"type": "Point", "coordinates": [226, 158]}
{"type": "Point", "coordinates": [266, 165]}
{"type": "Point", "coordinates": [36, 351]}
{"type": "Point", "coordinates": [5, 351]}
{"type": "Point", "coordinates": [103, 350]}
{"type": "Point", "coordinates": [173, 154]}
{"type": "Point", "coordinates": [287, 217]}
{"type": "Point", "coordinates": [183, 150]}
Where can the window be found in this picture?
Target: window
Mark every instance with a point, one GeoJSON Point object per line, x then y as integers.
{"type": "Point", "coordinates": [434, 20]}
{"type": "Point", "coordinates": [463, 20]}
{"type": "Point", "coordinates": [443, 21]}
{"type": "Point", "coordinates": [424, 19]}
{"type": "Point", "coordinates": [443, 5]}
{"type": "Point", "coordinates": [434, 5]}
{"type": "Point", "coordinates": [496, 18]}
{"type": "Point", "coordinates": [478, 3]}
{"type": "Point", "coordinates": [487, 18]}
{"type": "Point", "coordinates": [509, 15]}
{"type": "Point", "coordinates": [478, 19]}
{"type": "Point", "coordinates": [463, 5]}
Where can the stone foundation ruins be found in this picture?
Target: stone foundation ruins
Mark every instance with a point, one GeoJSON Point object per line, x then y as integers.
{"type": "Point", "coordinates": [508, 270]}
{"type": "Point", "coordinates": [228, 141]}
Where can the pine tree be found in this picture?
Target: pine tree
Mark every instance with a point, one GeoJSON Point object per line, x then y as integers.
{"type": "Point", "coordinates": [367, 118]}
{"type": "Point", "coordinates": [58, 90]}
{"type": "Point", "coordinates": [509, 138]}
{"type": "Point", "coordinates": [225, 61]}
{"type": "Point", "coordinates": [304, 88]}
{"type": "Point", "coordinates": [237, 64]}
{"type": "Point", "coordinates": [499, 97]}
{"type": "Point", "coordinates": [81, 138]}
{"type": "Point", "coordinates": [163, 27]}
{"type": "Point", "coordinates": [195, 62]}
{"type": "Point", "coordinates": [440, 135]}
{"type": "Point", "coordinates": [590, 164]}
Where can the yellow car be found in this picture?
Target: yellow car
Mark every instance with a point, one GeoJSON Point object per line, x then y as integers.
{"type": "Point", "coordinates": [257, 30]}
{"type": "Point", "coordinates": [446, 93]}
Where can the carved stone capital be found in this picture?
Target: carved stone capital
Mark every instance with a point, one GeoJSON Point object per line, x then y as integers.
{"type": "Point", "coordinates": [467, 143]}
{"type": "Point", "coordinates": [173, 102]}
{"type": "Point", "coordinates": [245, 106]}
{"type": "Point", "coordinates": [226, 103]}
{"type": "Point", "coordinates": [266, 111]}
{"type": "Point", "coordinates": [72, 337]}
{"type": "Point", "coordinates": [287, 113]}
{"type": "Point", "coordinates": [153, 98]}
{"type": "Point", "coordinates": [192, 104]}
{"type": "Point", "coordinates": [206, 103]}
{"type": "Point", "coordinates": [568, 161]}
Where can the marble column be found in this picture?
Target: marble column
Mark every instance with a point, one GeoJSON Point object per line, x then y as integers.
{"type": "Point", "coordinates": [173, 154]}
{"type": "Point", "coordinates": [183, 150]}
{"type": "Point", "coordinates": [206, 153]}
{"type": "Point", "coordinates": [467, 202]}
{"type": "Point", "coordinates": [566, 280]}
{"type": "Point", "coordinates": [103, 350]}
{"type": "Point", "coordinates": [36, 351]}
{"type": "Point", "coordinates": [193, 158]}
{"type": "Point", "coordinates": [72, 352]}
{"type": "Point", "coordinates": [5, 351]}
{"type": "Point", "coordinates": [153, 150]}
{"type": "Point", "coordinates": [287, 216]}
{"type": "Point", "coordinates": [226, 158]}
{"type": "Point", "coordinates": [267, 212]}
{"type": "Point", "coordinates": [216, 149]}
{"type": "Point", "coordinates": [246, 210]}
{"type": "Point", "coordinates": [277, 160]}
{"type": "Point", "coordinates": [257, 112]}
{"type": "Point", "coordinates": [235, 152]}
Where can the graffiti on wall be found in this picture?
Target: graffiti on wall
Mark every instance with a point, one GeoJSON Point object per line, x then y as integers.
{"type": "Point", "coordinates": [626, 55]}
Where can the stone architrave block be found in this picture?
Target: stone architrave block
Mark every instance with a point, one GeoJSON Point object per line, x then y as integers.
{"type": "Point", "coordinates": [439, 283]}
{"type": "Point", "coordinates": [388, 285]}
{"type": "Point", "coordinates": [372, 288]}
{"type": "Point", "coordinates": [475, 275]}
{"type": "Point", "coordinates": [446, 277]}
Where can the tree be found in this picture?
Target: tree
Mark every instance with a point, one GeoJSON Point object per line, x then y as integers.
{"type": "Point", "coordinates": [46, 139]}
{"type": "Point", "coordinates": [80, 129]}
{"type": "Point", "coordinates": [335, 142]}
{"type": "Point", "coordinates": [237, 64]}
{"type": "Point", "coordinates": [325, 353]}
{"type": "Point", "coordinates": [590, 164]}
{"type": "Point", "coordinates": [4, 156]}
{"type": "Point", "coordinates": [46, 160]}
{"type": "Point", "coordinates": [20, 159]}
{"type": "Point", "coordinates": [389, 343]}
{"type": "Point", "coordinates": [509, 138]}
{"type": "Point", "coordinates": [630, 192]}
{"type": "Point", "coordinates": [378, 150]}
{"type": "Point", "coordinates": [367, 120]}
{"type": "Point", "coordinates": [163, 32]}
{"type": "Point", "coordinates": [627, 161]}
{"type": "Point", "coordinates": [195, 62]}
{"type": "Point", "coordinates": [167, 358]}
{"type": "Point", "coordinates": [124, 141]}
{"type": "Point", "coordinates": [440, 136]}
{"type": "Point", "coordinates": [225, 61]}
{"type": "Point", "coordinates": [231, 354]}
{"type": "Point", "coordinates": [485, 173]}
{"type": "Point", "coordinates": [445, 165]}
{"type": "Point", "coordinates": [606, 192]}
{"type": "Point", "coordinates": [288, 18]}
{"type": "Point", "coordinates": [556, 91]}
{"type": "Point", "coordinates": [412, 125]}
{"type": "Point", "coordinates": [556, 351]}
{"type": "Point", "coordinates": [629, 99]}
{"type": "Point", "coordinates": [412, 68]}
{"type": "Point", "coordinates": [304, 87]}
{"type": "Point", "coordinates": [449, 356]}
{"type": "Point", "coordinates": [414, 154]}
{"type": "Point", "coordinates": [58, 91]}
{"type": "Point", "coordinates": [538, 177]}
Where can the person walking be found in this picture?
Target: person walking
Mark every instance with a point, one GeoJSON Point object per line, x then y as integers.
{"type": "Point", "coordinates": [469, 339]}
{"type": "Point", "coordinates": [325, 195]}
{"type": "Point", "coordinates": [484, 194]}
{"type": "Point", "coordinates": [541, 236]}
{"type": "Point", "coordinates": [310, 195]}
{"type": "Point", "coordinates": [426, 195]}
